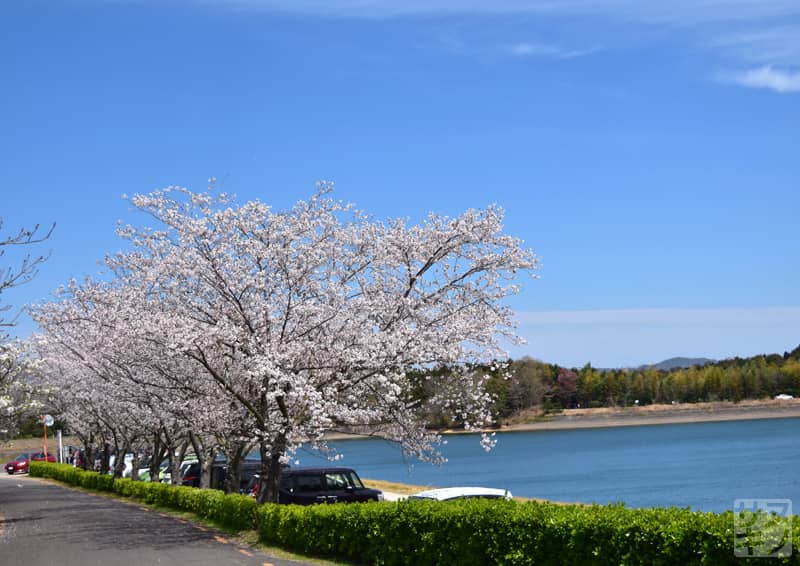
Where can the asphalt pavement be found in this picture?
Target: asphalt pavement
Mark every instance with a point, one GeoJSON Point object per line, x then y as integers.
{"type": "Point", "coordinates": [46, 524]}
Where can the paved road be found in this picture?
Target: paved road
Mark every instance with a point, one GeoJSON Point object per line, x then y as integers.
{"type": "Point", "coordinates": [44, 524]}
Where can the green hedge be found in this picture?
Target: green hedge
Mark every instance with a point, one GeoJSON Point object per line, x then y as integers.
{"type": "Point", "coordinates": [501, 532]}
{"type": "Point", "coordinates": [464, 532]}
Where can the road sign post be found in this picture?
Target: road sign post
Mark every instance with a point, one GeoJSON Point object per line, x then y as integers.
{"type": "Point", "coordinates": [47, 420]}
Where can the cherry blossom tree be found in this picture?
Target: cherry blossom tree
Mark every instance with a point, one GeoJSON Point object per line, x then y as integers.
{"type": "Point", "coordinates": [249, 325]}
{"type": "Point", "coordinates": [28, 265]}
{"type": "Point", "coordinates": [16, 392]}
{"type": "Point", "coordinates": [103, 392]}
{"type": "Point", "coordinates": [311, 319]}
{"type": "Point", "coordinates": [119, 389]}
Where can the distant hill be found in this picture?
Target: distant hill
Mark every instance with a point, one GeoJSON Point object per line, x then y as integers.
{"type": "Point", "coordinates": [675, 363]}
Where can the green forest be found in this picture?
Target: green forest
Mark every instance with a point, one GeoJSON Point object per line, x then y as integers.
{"type": "Point", "coordinates": [534, 385]}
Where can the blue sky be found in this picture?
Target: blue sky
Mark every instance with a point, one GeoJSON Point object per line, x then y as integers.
{"type": "Point", "coordinates": [647, 151]}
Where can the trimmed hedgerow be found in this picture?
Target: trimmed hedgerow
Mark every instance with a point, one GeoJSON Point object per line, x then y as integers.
{"type": "Point", "coordinates": [478, 532]}
{"type": "Point", "coordinates": [468, 532]}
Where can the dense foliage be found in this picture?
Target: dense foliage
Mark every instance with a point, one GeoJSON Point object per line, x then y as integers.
{"type": "Point", "coordinates": [483, 532]}
{"type": "Point", "coordinates": [731, 380]}
{"type": "Point", "coordinates": [463, 532]}
{"type": "Point", "coordinates": [533, 384]}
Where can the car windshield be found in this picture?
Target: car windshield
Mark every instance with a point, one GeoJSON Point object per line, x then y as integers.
{"type": "Point", "coordinates": [23, 456]}
{"type": "Point", "coordinates": [342, 480]}
{"type": "Point", "coordinates": [355, 481]}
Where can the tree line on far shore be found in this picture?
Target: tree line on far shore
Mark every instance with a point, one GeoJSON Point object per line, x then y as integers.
{"type": "Point", "coordinates": [535, 387]}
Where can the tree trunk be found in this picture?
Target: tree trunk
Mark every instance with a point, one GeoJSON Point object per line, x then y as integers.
{"type": "Point", "coordinates": [205, 470]}
{"type": "Point", "coordinates": [175, 461]}
{"type": "Point", "coordinates": [119, 461]}
{"type": "Point", "coordinates": [233, 474]}
{"type": "Point", "coordinates": [87, 452]}
{"type": "Point", "coordinates": [105, 456]}
{"type": "Point", "coordinates": [135, 466]}
{"type": "Point", "coordinates": [157, 456]}
{"type": "Point", "coordinates": [205, 459]}
{"type": "Point", "coordinates": [270, 480]}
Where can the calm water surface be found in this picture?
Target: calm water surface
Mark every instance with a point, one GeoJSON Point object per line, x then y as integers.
{"type": "Point", "coordinates": [704, 466]}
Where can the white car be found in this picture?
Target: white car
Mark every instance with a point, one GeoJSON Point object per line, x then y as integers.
{"type": "Point", "coordinates": [126, 468]}
{"type": "Point", "coordinates": [449, 493]}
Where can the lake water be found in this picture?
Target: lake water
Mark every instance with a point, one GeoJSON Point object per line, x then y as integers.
{"type": "Point", "coordinates": [704, 466]}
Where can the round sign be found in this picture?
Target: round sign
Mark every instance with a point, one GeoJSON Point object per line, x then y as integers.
{"type": "Point", "coordinates": [48, 420]}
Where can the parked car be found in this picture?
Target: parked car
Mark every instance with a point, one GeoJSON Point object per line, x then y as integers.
{"type": "Point", "coordinates": [75, 456]}
{"type": "Point", "coordinates": [144, 470]}
{"type": "Point", "coordinates": [20, 464]}
{"type": "Point", "coordinates": [252, 486]}
{"type": "Point", "coordinates": [190, 473]}
{"type": "Point", "coordinates": [219, 472]}
{"type": "Point", "coordinates": [127, 462]}
{"type": "Point", "coordinates": [305, 486]}
{"type": "Point", "coordinates": [450, 493]}
{"type": "Point", "coordinates": [247, 469]}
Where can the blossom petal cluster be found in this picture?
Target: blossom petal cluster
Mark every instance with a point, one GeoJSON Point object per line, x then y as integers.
{"type": "Point", "coordinates": [236, 320]}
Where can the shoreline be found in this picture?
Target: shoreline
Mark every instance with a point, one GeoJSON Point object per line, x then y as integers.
{"type": "Point", "coordinates": [684, 413]}
{"type": "Point", "coordinates": [609, 417]}
{"type": "Point", "coordinates": [572, 419]}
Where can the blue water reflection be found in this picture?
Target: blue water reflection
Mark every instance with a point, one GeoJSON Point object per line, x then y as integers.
{"type": "Point", "coordinates": [704, 466]}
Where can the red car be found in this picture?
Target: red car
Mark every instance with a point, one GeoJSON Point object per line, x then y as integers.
{"type": "Point", "coordinates": [19, 465]}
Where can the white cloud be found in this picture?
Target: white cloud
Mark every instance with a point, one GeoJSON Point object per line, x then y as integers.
{"type": "Point", "coordinates": [767, 77]}
{"type": "Point", "coordinates": [751, 31]}
{"type": "Point", "coordinates": [676, 11]}
{"type": "Point", "coordinates": [524, 49]}
{"type": "Point", "coordinates": [545, 50]}
{"type": "Point", "coordinates": [765, 44]}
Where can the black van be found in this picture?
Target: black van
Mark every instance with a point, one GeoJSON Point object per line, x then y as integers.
{"type": "Point", "coordinates": [305, 486]}
{"type": "Point", "coordinates": [219, 471]}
